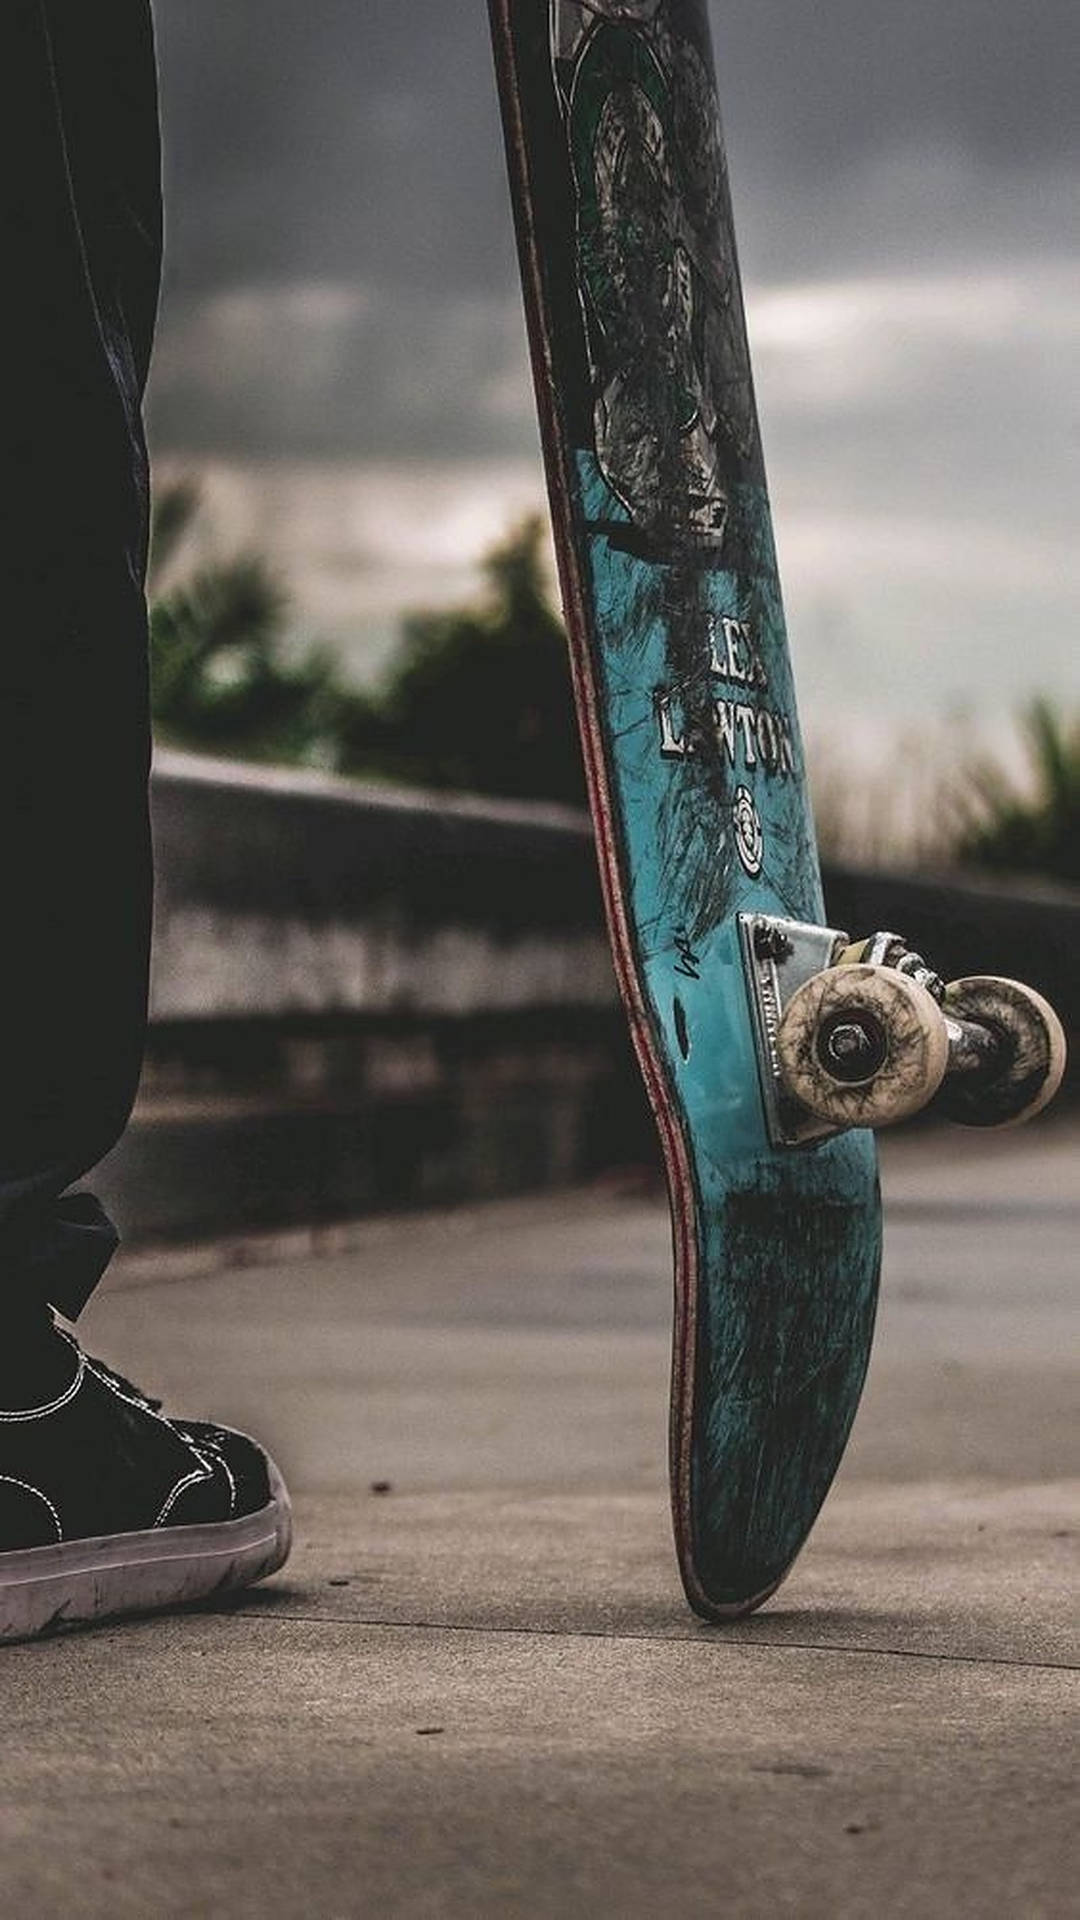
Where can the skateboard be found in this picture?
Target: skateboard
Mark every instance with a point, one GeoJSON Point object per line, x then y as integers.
{"type": "Point", "coordinates": [770, 1043]}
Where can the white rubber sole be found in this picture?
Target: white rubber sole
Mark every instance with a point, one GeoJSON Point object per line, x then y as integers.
{"type": "Point", "coordinates": [79, 1581]}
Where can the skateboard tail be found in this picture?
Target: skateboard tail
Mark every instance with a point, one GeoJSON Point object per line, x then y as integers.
{"type": "Point", "coordinates": [782, 1344]}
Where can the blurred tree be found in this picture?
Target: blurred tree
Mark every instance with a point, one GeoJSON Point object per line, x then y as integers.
{"type": "Point", "coordinates": [221, 678]}
{"type": "Point", "coordinates": [1033, 831]}
{"type": "Point", "coordinates": [478, 698]}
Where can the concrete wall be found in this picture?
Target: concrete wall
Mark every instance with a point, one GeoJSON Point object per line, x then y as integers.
{"type": "Point", "coordinates": [365, 998]}
{"type": "Point", "coordinates": [283, 894]}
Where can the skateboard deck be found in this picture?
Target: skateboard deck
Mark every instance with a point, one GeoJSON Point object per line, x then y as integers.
{"type": "Point", "coordinates": [691, 742]}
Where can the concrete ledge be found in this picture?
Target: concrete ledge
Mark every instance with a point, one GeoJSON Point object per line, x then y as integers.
{"type": "Point", "coordinates": [281, 893]}
{"type": "Point", "coordinates": [364, 997]}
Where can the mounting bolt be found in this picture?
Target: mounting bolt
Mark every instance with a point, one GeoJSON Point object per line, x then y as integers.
{"type": "Point", "coordinates": [770, 943]}
{"type": "Point", "coordinates": [852, 1047]}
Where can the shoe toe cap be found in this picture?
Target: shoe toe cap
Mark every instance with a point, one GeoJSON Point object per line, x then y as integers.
{"type": "Point", "coordinates": [237, 1461]}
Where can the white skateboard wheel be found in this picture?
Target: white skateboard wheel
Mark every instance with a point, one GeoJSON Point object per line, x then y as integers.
{"type": "Point", "coordinates": [1030, 1058]}
{"type": "Point", "coordinates": [862, 1046]}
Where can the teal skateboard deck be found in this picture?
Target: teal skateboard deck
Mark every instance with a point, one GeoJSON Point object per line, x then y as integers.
{"type": "Point", "coordinates": [692, 749]}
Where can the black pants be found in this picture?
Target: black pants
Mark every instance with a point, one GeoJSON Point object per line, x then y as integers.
{"type": "Point", "coordinates": [81, 225]}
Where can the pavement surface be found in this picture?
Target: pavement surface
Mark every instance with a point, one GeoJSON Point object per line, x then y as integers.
{"type": "Point", "coordinates": [476, 1689]}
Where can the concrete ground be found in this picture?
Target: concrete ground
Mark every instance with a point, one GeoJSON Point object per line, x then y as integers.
{"type": "Point", "coordinates": [476, 1689]}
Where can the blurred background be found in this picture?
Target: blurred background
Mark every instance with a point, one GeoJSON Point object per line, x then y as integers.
{"type": "Point", "coordinates": [381, 983]}
{"type": "Point", "coordinates": [350, 538]}
{"type": "Point", "coordinates": [341, 362]}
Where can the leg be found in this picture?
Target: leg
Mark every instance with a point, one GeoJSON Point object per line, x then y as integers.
{"type": "Point", "coordinates": [105, 1505]}
{"type": "Point", "coordinates": [81, 224]}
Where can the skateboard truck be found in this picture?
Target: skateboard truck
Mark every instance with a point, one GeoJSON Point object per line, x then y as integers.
{"type": "Point", "coordinates": [864, 1034]}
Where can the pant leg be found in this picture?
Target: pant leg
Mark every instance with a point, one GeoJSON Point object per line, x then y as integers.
{"type": "Point", "coordinates": [80, 231]}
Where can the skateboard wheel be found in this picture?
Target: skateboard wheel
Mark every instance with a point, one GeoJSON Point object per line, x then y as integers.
{"type": "Point", "coordinates": [1028, 1063]}
{"type": "Point", "coordinates": [862, 1046]}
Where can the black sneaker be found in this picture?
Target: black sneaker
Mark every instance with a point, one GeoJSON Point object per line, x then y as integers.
{"type": "Point", "coordinates": [107, 1507]}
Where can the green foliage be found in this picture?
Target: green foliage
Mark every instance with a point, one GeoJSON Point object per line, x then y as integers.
{"type": "Point", "coordinates": [479, 698]}
{"type": "Point", "coordinates": [1008, 829]}
{"type": "Point", "coordinates": [220, 676]}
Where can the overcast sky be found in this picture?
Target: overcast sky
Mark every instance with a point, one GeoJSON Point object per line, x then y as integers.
{"type": "Point", "coordinates": [342, 289]}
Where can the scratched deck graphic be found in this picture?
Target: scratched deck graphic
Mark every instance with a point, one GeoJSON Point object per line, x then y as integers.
{"type": "Point", "coordinates": [692, 746]}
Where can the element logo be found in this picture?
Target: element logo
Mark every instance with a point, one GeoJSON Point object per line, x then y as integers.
{"type": "Point", "coordinates": [749, 838]}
